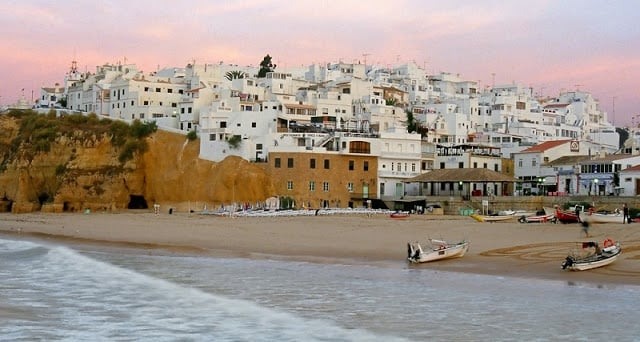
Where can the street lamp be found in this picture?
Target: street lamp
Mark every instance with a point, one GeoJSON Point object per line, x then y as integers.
{"type": "Point", "coordinates": [595, 186]}
{"type": "Point", "coordinates": [540, 192]}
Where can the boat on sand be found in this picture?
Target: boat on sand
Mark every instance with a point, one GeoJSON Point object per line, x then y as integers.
{"type": "Point", "coordinates": [595, 217]}
{"type": "Point", "coordinates": [567, 216]}
{"type": "Point", "coordinates": [547, 216]}
{"type": "Point", "coordinates": [399, 214]}
{"type": "Point", "coordinates": [436, 250]}
{"type": "Point", "coordinates": [592, 256]}
{"type": "Point", "coordinates": [492, 218]}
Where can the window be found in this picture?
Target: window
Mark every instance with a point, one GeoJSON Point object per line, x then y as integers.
{"type": "Point", "coordinates": [258, 147]}
{"type": "Point", "coordinates": [253, 125]}
{"type": "Point", "coordinates": [157, 90]}
{"type": "Point", "coordinates": [519, 162]}
{"type": "Point", "coordinates": [223, 124]}
{"type": "Point", "coordinates": [326, 164]}
{"type": "Point", "coordinates": [276, 163]}
{"type": "Point", "coordinates": [461, 165]}
{"type": "Point", "coordinates": [484, 165]}
{"type": "Point", "coordinates": [325, 186]}
{"type": "Point", "coordinates": [534, 162]}
{"type": "Point", "coordinates": [495, 167]}
{"type": "Point", "coordinates": [312, 163]}
{"type": "Point", "coordinates": [146, 103]}
{"type": "Point", "coordinates": [366, 166]}
{"type": "Point", "coordinates": [289, 185]}
{"type": "Point", "coordinates": [351, 165]}
{"type": "Point", "coordinates": [442, 165]}
{"type": "Point", "coordinates": [350, 187]}
{"type": "Point", "coordinates": [290, 163]}
{"type": "Point", "coordinates": [312, 186]}
{"type": "Point", "coordinates": [475, 165]}
{"type": "Point", "coordinates": [413, 167]}
{"type": "Point", "coordinates": [169, 90]}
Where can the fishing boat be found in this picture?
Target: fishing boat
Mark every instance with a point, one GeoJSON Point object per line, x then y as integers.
{"type": "Point", "coordinates": [594, 257]}
{"type": "Point", "coordinates": [492, 218]}
{"type": "Point", "coordinates": [399, 214]}
{"type": "Point", "coordinates": [567, 216]}
{"type": "Point", "coordinates": [517, 213]}
{"type": "Point", "coordinates": [601, 217]}
{"type": "Point", "coordinates": [539, 218]}
{"type": "Point", "coordinates": [437, 250]}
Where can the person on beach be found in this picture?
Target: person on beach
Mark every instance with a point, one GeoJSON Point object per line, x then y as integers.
{"type": "Point", "coordinates": [585, 228]}
{"type": "Point", "coordinates": [625, 214]}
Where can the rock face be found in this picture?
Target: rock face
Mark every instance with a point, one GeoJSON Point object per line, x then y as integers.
{"type": "Point", "coordinates": [80, 173]}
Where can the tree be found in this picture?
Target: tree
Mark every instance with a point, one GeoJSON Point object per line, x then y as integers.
{"type": "Point", "coordinates": [63, 102]}
{"type": "Point", "coordinates": [414, 125]}
{"type": "Point", "coordinates": [235, 74]}
{"type": "Point", "coordinates": [266, 66]}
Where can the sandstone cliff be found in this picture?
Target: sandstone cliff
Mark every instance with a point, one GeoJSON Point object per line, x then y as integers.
{"type": "Point", "coordinates": [82, 171]}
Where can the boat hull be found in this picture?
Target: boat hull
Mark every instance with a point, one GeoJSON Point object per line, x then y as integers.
{"type": "Point", "coordinates": [567, 217]}
{"type": "Point", "coordinates": [538, 218]}
{"type": "Point", "coordinates": [592, 261]}
{"type": "Point", "coordinates": [491, 218]}
{"type": "Point", "coordinates": [452, 251]}
{"type": "Point", "coordinates": [601, 218]}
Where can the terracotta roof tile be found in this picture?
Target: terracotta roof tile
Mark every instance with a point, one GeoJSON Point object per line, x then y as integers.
{"type": "Point", "coordinates": [545, 146]}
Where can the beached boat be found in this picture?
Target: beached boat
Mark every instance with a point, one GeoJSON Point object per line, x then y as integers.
{"type": "Point", "coordinates": [594, 258]}
{"type": "Point", "coordinates": [541, 218]}
{"type": "Point", "coordinates": [566, 216]}
{"type": "Point", "coordinates": [595, 217]}
{"type": "Point", "coordinates": [399, 214]}
{"type": "Point", "coordinates": [516, 213]}
{"type": "Point", "coordinates": [492, 218]}
{"type": "Point", "coordinates": [437, 250]}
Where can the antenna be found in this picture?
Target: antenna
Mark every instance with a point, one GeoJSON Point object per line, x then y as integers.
{"type": "Point", "coordinates": [613, 118]}
{"type": "Point", "coordinates": [364, 55]}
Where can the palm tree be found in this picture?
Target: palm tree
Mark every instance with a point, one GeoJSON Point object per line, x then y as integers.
{"type": "Point", "coordinates": [235, 74]}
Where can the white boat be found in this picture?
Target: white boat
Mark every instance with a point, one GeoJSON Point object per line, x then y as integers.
{"type": "Point", "coordinates": [437, 250]}
{"type": "Point", "coordinates": [517, 213]}
{"type": "Point", "coordinates": [592, 217]}
{"type": "Point", "coordinates": [594, 258]}
{"type": "Point", "coordinates": [541, 218]}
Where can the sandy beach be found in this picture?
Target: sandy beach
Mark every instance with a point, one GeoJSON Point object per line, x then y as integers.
{"type": "Point", "coordinates": [533, 250]}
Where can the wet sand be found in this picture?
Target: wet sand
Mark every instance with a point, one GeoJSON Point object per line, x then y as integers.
{"type": "Point", "coordinates": [533, 250]}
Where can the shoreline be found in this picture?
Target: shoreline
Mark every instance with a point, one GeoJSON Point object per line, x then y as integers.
{"type": "Point", "coordinates": [529, 250]}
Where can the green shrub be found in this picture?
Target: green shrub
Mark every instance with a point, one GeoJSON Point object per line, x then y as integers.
{"type": "Point", "coordinates": [234, 141]}
{"type": "Point", "coordinates": [192, 135]}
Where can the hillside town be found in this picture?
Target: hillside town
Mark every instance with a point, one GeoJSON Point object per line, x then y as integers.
{"type": "Point", "coordinates": [358, 135]}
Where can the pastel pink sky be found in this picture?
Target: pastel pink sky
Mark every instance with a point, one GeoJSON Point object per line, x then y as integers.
{"type": "Point", "coordinates": [548, 45]}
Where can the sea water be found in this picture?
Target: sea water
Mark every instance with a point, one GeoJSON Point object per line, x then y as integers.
{"type": "Point", "coordinates": [58, 293]}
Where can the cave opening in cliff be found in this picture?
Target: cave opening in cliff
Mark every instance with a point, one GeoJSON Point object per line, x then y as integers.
{"type": "Point", "coordinates": [43, 198]}
{"type": "Point", "coordinates": [137, 202]}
